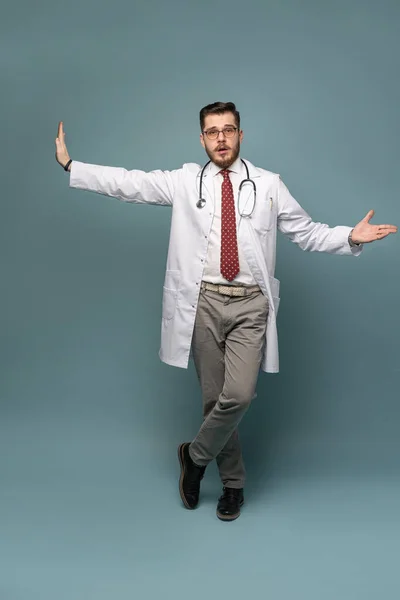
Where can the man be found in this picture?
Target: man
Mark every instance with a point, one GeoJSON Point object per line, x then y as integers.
{"type": "Point", "coordinates": [220, 296]}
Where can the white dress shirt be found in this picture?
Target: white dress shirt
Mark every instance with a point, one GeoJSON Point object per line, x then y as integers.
{"type": "Point", "coordinates": [212, 272]}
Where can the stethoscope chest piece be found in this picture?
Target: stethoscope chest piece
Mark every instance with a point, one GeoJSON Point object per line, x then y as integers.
{"type": "Point", "coordinates": [200, 203]}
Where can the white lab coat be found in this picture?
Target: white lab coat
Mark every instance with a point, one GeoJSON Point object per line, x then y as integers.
{"type": "Point", "coordinates": [190, 227]}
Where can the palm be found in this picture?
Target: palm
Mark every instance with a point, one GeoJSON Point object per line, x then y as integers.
{"type": "Point", "coordinates": [62, 155]}
{"type": "Point", "coordinates": [365, 232]}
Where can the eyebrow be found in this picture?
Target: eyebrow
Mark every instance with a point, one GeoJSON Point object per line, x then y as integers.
{"type": "Point", "coordinates": [226, 125]}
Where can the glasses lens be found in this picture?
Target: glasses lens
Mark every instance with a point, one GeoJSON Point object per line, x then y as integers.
{"type": "Point", "coordinates": [212, 134]}
{"type": "Point", "coordinates": [229, 131]}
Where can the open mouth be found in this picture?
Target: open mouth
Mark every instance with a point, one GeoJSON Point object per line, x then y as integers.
{"type": "Point", "coordinates": [222, 150]}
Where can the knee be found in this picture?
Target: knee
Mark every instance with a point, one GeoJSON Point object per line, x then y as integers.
{"type": "Point", "coordinates": [237, 398]}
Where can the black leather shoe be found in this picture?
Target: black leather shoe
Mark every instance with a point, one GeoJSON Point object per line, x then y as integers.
{"type": "Point", "coordinates": [191, 475]}
{"type": "Point", "coordinates": [229, 504]}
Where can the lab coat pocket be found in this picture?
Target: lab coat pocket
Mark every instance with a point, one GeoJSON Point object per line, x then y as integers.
{"type": "Point", "coordinates": [170, 293]}
{"type": "Point", "coordinates": [264, 215]}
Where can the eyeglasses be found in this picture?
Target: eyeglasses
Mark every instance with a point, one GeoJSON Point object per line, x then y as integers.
{"type": "Point", "coordinates": [228, 132]}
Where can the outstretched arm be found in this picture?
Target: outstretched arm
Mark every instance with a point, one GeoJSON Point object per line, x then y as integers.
{"type": "Point", "coordinates": [155, 187]}
{"type": "Point", "coordinates": [310, 236]}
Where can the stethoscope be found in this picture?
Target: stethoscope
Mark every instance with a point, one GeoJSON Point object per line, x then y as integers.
{"type": "Point", "coordinates": [201, 202]}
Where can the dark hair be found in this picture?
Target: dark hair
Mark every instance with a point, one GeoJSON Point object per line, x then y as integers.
{"type": "Point", "coordinates": [219, 108]}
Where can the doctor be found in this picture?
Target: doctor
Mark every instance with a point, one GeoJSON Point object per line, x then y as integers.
{"type": "Point", "coordinates": [220, 294]}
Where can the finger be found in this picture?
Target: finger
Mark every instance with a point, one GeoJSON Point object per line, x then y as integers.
{"type": "Point", "coordinates": [387, 227]}
{"type": "Point", "coordinates": [60, 133]}
{"type": "Point", "coordinates": [385, 232]}
{"type": "Point", "coordinates": [369, 215]}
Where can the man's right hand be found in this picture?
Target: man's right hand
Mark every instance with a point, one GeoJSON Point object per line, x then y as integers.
{"type": "Point", "coordinates": [62, 156]}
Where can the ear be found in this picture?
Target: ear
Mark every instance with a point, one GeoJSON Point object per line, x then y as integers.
{"type": "Point", "coordinates": [241, 135]}
{"type": "Point", "coordinates": [202, 140]}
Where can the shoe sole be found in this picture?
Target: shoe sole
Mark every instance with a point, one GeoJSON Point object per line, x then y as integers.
{"type": "Point", "coordinates": [181, 462]}
{"type": "Point", "coordinates": [230, 517]}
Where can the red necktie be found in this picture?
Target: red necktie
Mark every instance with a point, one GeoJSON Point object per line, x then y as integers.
{"type": "Point", "coordinates": [229, 250]}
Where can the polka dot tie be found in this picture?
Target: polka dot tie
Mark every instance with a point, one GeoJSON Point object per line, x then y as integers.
{"type": "Point", "coordinates": [229, 250]}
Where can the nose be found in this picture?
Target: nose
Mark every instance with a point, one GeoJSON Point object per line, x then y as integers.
{"type": "Point", "coordinates": [221, 133]}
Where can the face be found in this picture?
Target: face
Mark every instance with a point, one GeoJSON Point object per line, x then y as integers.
{"type": "Point", "coordinates": [223, 151]}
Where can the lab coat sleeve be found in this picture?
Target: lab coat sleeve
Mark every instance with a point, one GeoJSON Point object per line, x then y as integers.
{"type": "Point", "coordinates": [297, 225]}
{"type": "Point", "coordinates": [154, 187]}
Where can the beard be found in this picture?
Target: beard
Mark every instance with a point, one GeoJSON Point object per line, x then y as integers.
{"type": "Point", "coordinates": [224, 161]}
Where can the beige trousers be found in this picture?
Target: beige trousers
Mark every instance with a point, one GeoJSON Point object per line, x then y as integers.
{"type": "Point", "coordinates": [227, 346]}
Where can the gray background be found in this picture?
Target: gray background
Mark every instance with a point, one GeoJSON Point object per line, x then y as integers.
{"type": "Point", "coordinates": [89, 417]}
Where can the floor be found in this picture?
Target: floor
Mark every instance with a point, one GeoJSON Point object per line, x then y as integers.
{"type": "Point", "coordinates": [89, 511]}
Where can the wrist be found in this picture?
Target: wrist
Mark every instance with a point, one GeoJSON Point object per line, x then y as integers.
{"type": "Point", "coordinates": [352, 242]}
{"type": "Point", "coordinates": [67, 166]}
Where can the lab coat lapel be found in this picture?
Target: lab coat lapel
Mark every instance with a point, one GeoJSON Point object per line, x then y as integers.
{"type": "Point", "coordinates": [254, 173]}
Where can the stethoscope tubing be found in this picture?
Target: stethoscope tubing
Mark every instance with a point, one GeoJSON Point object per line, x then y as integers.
{"type": "Point", "coordinates": [201, 202]}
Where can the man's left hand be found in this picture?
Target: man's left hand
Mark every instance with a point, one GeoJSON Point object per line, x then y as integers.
{"type": "Point", "coordinates": [364, 232]}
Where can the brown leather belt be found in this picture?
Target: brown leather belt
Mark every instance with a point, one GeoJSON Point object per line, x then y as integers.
{"type": "Point", "coordinates": [230, 290]}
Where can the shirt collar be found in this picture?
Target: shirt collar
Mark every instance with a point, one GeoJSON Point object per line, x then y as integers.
{"type": "Point", "coordinates": [236, 167]}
